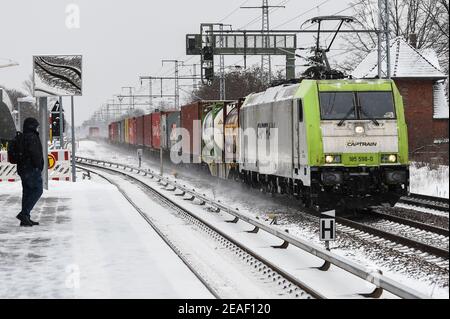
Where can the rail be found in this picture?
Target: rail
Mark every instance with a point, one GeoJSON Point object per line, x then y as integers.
{"type": "Point", "coordinates": [430, 198]}
{"type": "Point", "coordinates": [379, 280]}
{"type": "Point", "coordinates": [430, 202]}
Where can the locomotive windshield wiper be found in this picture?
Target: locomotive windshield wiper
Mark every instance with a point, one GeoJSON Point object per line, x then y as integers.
{"type": "Point", "coordinates": [368, 116]}
{"type": "Point", "coordinates": [346, 117]}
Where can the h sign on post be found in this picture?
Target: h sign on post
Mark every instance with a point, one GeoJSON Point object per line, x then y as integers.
{"type": "Point", "coordinates": [328, 226]}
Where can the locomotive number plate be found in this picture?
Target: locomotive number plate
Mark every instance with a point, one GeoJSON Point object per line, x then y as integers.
{"type": "Point", "coordinates": [362, 159]}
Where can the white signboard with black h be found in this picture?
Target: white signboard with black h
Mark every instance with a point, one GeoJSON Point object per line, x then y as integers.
{"type": "Point", "coordinates": [328, 227]}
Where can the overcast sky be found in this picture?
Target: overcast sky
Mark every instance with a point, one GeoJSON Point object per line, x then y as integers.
{"type": "Point", "coordinates": [123, 39]}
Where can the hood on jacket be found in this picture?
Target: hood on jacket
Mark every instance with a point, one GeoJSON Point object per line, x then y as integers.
{"type": "Point", "coordinates": [30, 125]}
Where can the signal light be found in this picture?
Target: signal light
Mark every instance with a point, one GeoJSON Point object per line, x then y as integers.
{"type": "Point", "coordinates": [208, 54]}
{"type": "Point", "coordinates": [209, 74]}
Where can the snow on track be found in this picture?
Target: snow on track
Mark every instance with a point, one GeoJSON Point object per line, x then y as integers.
{"type": "Point", "coordinates": [258, 204]}
{"type": "Point", "coordinates": [217, 266]}
{"type": "Point", "coordinates": [335, 283]}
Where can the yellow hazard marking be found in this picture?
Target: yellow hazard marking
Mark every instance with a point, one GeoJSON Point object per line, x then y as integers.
{"type": "Point", "coordinates": [51, 161]}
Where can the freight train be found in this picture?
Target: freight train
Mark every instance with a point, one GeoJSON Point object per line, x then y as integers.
{"type": "Point", "coordinates": [330, 143]}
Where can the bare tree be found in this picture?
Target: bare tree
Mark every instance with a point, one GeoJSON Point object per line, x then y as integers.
{"type": "Point", "coordinates": [28, 85]}
{"type": "Point", "coordinates": [426, 21]}
{"type": "Point", "coordinates": [13, 96]}
{"type": "Point", "coordinates": [238, 84]}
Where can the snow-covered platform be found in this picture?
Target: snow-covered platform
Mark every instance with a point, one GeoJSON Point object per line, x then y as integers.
{"type": "Point", "coordinates": [90, 244]}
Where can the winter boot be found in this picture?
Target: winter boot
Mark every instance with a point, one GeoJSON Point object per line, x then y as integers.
{"type": "Point", "coordinates": [24, 220]}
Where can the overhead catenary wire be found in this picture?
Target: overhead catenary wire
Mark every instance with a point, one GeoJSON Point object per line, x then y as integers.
{"type": "Point", "coordinates": [310, 26]}
{"type": "Point", "coordinates": [234, 11]}
{"type": "Point", "coordinates": [259, 18]}
{"type": "Point", "coordinates": [302, 14]}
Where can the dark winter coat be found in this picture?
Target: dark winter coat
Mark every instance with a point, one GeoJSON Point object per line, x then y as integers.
{"type": "Point", "coordinates": [33, 158]}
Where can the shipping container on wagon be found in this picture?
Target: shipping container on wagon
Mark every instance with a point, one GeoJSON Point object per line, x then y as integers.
{"type": "Point", "coordinates": [115, 132]}
{"type": "Point", "coordinates": [132, 128]}
{"type": "Point", "coordinates": [166, 128]}
{"type": "Point", "coordinates": [111, 132]}
{"type": "Point", "coordinates": [116, 129]}
{"type": "Point", "coordinates": [94, 132]}
{"type": "Point", "coordinates": [112, 135]}
{"type": "Point", "coordinates": [161, 119]}
{"type": "Point", "coordinates": [191, 119]}
{"type": "Point", "coordinates": [156, 130]}
{"type": "Point", "coordinates": [125, 131]}
{"type": "Point", "coordinates": [140, 131]}
{"type": "Point", "coordinates": [173, 123]}
{"type": "Point", "coordinates": [148, 130]}
{"type": "Point", "coordinates": [121, 125]}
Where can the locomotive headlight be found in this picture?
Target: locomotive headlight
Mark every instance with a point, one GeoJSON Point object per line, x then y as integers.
{"type": "Point", "coordinates": [389, 158]}
{"type": "Point", "coordinates": [333, 159]}
{"type": "Point", "coordinates": [329, 159]}
{"type": "Point", "coordinates": [360, 129]}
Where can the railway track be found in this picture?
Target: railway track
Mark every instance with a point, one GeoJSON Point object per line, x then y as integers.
{"type": "Point", "coordinates": [269, 268]}
{"type": "Point", "coordinates": [289, 285]}
{"type": "Point", "coordinates": [430, 202]}
{"type": "Point", "coordinates": [378, 227]}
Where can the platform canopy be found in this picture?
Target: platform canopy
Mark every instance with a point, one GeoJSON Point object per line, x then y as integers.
{"type": "Point", "coordinates": [7, 126]}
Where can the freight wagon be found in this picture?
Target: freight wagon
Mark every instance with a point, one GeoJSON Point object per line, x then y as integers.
{"type": "Point", "coordinates": [94, 132]}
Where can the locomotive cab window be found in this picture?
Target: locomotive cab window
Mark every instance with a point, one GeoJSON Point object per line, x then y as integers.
{"type": "Point", "coordinates": [357, 105]}
{"type": "Point", "coordinates": [376, 105]}
{"type": "Point", "coordinates": [337, 105]}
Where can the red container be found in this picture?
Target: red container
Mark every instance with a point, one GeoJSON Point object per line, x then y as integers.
{"type": "Point", "coordinates": [148, 130]}
{"type": "Point", "coordinates": [134, 121]}
{"type": "Point", "coordinates": [132, 131]}
{"type": "Point", "coordinates": [111, 132]}
{"type": "Point", "coordinates": [140, 131]}
{"type": "Point", "coordinates": [156, 130]}
{"type": "Point", "coordinates": [191, 118]}
{"type": "Point", "coordinates": [94, 132]}
{"type": "Point", "coordinates": [112, 128]}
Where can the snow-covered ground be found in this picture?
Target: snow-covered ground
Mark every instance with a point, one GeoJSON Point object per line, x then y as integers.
{"type": "Point", "coordinates": [255, 204]}
{"type": "Point", "coordinates": [430, 181]}
{"type": "Point", "coordinates": [93, 244]}
{"type": "Point", "coordinates": [90, 244]}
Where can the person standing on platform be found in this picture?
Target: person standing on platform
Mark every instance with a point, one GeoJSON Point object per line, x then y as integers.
{"type": "Point", "coordinates": [29, 169]}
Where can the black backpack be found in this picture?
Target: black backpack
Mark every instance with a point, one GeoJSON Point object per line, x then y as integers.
{"type": "Point", "coordinates": [16, 149]}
